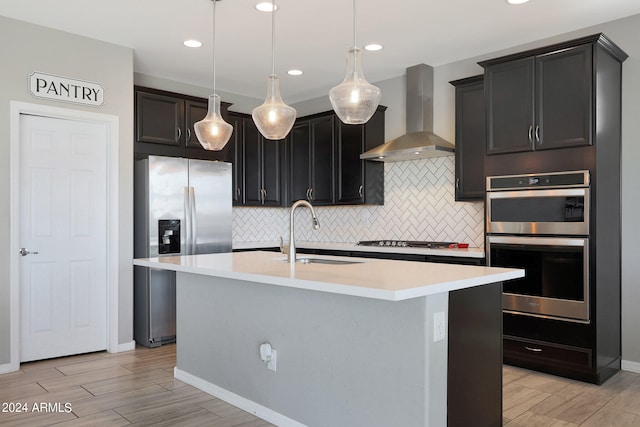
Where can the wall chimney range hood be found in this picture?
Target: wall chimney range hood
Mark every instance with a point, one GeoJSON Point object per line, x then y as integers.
{"type": "Point", "coordinates": [419, 142]}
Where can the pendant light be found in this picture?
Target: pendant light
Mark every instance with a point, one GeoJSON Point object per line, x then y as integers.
{"type": "Point", "coordinates": [212, 131]}
{"type": "Point", "coordinates": [355, 99]}
{"type": "Point", "coordinates": [273, 118]}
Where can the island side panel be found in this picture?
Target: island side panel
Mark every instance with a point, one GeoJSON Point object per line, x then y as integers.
{"type": "Point", "coordinates": [341, 360]}
{"type": "Point", "coordinates": [475, 356]}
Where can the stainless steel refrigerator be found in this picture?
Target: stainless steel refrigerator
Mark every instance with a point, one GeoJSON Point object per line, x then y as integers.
{"type": "Point", "coordinates": [181, 207]}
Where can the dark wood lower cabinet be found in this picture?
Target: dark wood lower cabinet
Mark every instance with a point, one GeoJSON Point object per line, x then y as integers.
{"type": "Point", "coordinates": [540, 352]}
{"type": "Point", "coordinates": [568, 349]}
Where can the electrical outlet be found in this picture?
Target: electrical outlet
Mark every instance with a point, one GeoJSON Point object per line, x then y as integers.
{"type": "Point", "coordinates": [439, 326]}
{"type": "Point", "coordinates": [271, 364]}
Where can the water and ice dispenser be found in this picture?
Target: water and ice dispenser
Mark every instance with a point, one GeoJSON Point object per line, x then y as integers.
{"type": "Point", "coordinates": [168, 236]}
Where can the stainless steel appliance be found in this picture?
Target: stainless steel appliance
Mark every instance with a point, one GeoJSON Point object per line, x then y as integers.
{"type": "Point", "coordinates": [419, 142]}
{"type": "Point", "coordinates": [540, 222]}
{"type": "Point", "coordinates": [182, 207]}
{"type": "Point", "coordinates": [552, 203]}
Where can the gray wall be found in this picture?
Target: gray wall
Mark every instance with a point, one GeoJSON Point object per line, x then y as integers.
{"type": "Point", "coordinates": [25, 48]}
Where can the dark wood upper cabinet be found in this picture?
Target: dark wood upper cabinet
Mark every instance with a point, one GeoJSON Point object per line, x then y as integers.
{"type": "Point", "coordinates": [510, 106]}
{"type": "Point", "coordinates": [164, 124]}
{"type": "Point", "coordinates": [311, 169]}
{"type": "Point", "coordinates": [542, 101]}
{"type": "Point", "coordinates": [262, 166]}
{"type": "Point", "coordinates": [194, 112]}
{"type": "Point", "coordinates": [470, 138]}
{"type": "Point", "coordinates": [360, 181]}
{"type": "Point", "coordinates": [324, 162]}
{"type": "Point", "coordinates": [564, 84]}
{"type": "Point", "coordinates": [350, 168]}
{"type": "Point", "coordinates": [159, 118]}
{"type": "Point", "coordinates": [299, 142]}
{"type": "Point", "coordinates": [234, 154]}
{"type": "Point", "coordinates": [318, 161]}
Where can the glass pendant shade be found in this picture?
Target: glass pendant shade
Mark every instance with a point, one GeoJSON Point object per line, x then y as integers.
{"type": "Point", "coordinates": [212, 131]}
{"type": "Point", "coordinates": [355, 99]}
{"type": "Point", "coordinates": [274, 118]}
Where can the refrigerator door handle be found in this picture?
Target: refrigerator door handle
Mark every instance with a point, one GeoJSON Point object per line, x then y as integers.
{"type": "Point", "coordinates": [193, 220]}
{"type": "Point", "coordinates": [187, 221]}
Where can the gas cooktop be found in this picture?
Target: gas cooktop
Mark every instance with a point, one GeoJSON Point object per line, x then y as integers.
{"type": "Point", "coordinates": [406, 244]}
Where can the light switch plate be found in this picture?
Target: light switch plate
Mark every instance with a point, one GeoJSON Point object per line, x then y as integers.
{"type": "Point", "coordinates": [439, 326]}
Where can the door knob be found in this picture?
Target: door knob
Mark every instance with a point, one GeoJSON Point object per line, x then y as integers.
{"type": "Point", "coordinates": [25, 252]}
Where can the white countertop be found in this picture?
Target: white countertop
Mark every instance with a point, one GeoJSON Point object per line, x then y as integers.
{"type": "Point", "coordinates": [371, 278]}
{"type": "Point", "coordinates": [468, 253]}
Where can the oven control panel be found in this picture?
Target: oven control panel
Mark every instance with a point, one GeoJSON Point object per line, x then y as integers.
{"type": "Point", "coordinates": [547, 180]}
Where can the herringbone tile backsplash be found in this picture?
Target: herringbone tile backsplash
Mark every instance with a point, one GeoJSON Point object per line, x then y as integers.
{"type": "Point", "coordinates": [419, 205]}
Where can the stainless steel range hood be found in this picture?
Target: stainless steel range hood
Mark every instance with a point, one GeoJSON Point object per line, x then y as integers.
{"type": "Point", "coordinates": [419, 142]}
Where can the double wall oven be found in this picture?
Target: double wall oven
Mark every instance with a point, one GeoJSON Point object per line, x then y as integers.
{"type": "Point", "coordinates": [540, 222]}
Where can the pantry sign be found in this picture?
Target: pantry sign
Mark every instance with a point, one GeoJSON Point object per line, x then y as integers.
{"type": "Point", "coordinates": [49, 86]}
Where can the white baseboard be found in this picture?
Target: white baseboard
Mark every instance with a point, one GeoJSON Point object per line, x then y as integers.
{"type": "Point", "coordinates": [236, 400]}
{"type": "Point", "coordinates": [628, 365]}
{"type": "Point", "coordinates": [127, 346]}
{"type": "Point", "coordinates": [9, 367]}
{"type": "Point", "coordinates": [14, 367]}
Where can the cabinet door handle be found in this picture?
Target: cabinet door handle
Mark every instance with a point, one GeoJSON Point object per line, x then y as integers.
{"type": "Point", "coordinates": [534, 349]}
{"type": "Point", "coordinates": [538, 135]}
{"type": "Point", "coordinates": [238, 191]}
{"type": "Point", "coordinates": [264, 195]}
{"type": "Point", "coordinates": [308, 193]}
{"type": "Point", "coordinates": [179, 133]}
{"type": "Point", "coordinates": [361, 191]}
{"type": "Point", "coordinates": [311, 194]}
{"type": "Point", "coordinates": [457, 183]}
{"type": "Point", "coordinates": [531, 136]}
{"type": "Point", "coordinates": [188, 134]}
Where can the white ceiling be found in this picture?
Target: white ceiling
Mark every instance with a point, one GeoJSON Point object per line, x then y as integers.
{"type": "Point", "coordinates": [310, 35]}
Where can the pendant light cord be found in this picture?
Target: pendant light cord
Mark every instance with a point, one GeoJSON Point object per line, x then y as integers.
{"type": "Point", "coordinates": [355, 45]}
{"type": "Point", "coordinates": [213, 45]}
{"type": "Point", "coordinates": [273, 37]}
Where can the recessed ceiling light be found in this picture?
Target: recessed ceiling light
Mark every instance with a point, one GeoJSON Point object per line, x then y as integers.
{"type": "Point", "coordinates": [265, 6]}
{"type": "Point", "coordinates": [373, 47]}
{"type": "Point", "coordinates": [192, 43]}
{"type": "Point", "coordinates": [294, 72]}
{"type": "Point", "coordinates": [517, 1]}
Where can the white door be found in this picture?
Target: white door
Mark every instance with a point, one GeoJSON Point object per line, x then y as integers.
{"type": "Point", "coordinates": [63, 217]}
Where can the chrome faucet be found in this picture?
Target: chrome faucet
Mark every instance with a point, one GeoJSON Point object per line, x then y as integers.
{"type": "Point", "coordinates": [314, 223]}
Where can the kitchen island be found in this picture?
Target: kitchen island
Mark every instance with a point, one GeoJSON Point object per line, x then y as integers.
{"type": "Point", "coordinates": [356, 342]}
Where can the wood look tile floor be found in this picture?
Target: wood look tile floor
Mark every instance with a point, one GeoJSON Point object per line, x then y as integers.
{"type": "Point", "coordinates": [102, 389]}
{"type": "Point", "coordinates": [138, 388]}
{"type": "Point", "coordinates": [533, 399]}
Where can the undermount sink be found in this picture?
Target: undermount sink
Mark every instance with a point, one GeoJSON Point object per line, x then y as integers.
{"type": "Point", "coordinates": [313, 260]}
{"type": "Point", "coordinates": [307, 260]}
